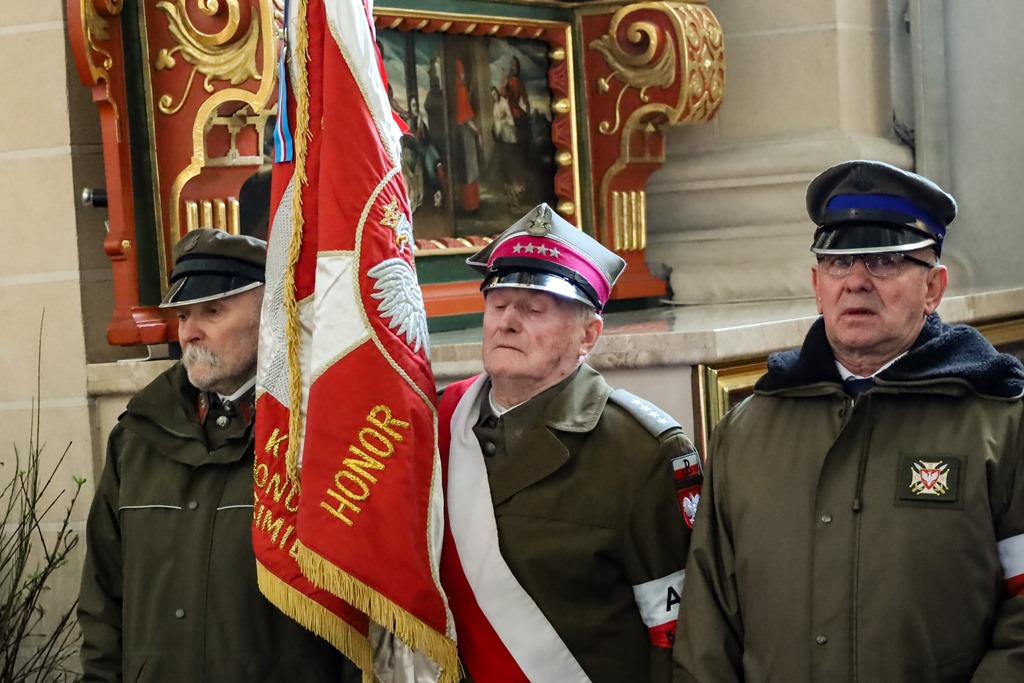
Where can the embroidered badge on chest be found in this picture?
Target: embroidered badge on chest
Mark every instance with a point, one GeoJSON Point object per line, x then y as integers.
{"type": "Point", "coordinates": [929, 478]}
{"type": "Point", "coordinates": [689, 475]}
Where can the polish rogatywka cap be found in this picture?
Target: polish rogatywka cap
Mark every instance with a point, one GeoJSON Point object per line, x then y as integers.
{"type": "Point", "coordinates": [212, 264]}
{"type": "Point", "coordinates": [543, 251]}
{"type": "Point", "coordinates": [865, 206]}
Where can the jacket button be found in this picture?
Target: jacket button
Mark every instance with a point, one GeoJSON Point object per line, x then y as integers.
{"type": "Point", "coordinates": [821, 640]}
{"type": "Point", "coordinates": [179, 613]}
{"type": "Point", "coordinates": [223, 421]}
{"type": "Point", "coordinates": [826, 518]}
{"type": "Point", "coordinates": [193, 504]}
{"type": "Point", "coordinates": [490, 448]}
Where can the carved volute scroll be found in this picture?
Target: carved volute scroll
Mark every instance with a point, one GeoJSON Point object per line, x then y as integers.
{"type": "Point", "coordinates": [647, 66]}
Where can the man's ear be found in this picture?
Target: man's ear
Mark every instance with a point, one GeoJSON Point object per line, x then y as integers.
{"type": "Point", "coordinates": [814, 282]}
{"type": "Point", "coordinates": [938, 278]}
{"type": "Point", "coordinates": [591, 331]}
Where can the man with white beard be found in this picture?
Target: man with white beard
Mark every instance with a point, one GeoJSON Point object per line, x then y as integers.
{"type": "Point", "coordinates": [169, 588]}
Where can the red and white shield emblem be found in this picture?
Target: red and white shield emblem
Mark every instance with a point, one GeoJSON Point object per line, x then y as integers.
{"type": "Point", "coordinates": [688, 500]}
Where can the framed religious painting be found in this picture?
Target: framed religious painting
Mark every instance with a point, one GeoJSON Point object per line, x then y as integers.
{"type": "Point", "coordinates": [508, 104]}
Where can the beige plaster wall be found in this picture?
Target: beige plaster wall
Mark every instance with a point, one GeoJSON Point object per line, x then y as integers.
{"type": "Point", "coordinates": [46, 151]}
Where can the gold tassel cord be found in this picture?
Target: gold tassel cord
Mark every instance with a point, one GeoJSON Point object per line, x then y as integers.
{"type": "Point", "coordinates": [291, 306]}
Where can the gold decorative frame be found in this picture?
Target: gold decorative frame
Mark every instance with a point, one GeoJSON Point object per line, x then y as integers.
{"type": "Point", "coordinates": [716, 389]}
{"type": "Point", "coordinates": [561, 81]}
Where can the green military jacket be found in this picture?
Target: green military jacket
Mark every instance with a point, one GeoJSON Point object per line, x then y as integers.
{"type": "Point", "coordinates": [587, 507]}
{"type": "Point", "coordinates": [168, 591]}
{"type": "Point", "coordinates": [843, 540]}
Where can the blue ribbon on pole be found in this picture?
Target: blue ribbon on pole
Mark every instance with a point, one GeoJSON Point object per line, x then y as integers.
{"type": "Point", "coordinates": [284, 144]}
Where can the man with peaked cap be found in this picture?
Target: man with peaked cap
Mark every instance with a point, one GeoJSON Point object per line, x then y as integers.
{"type": "Point", "coordinates": [569, 503]}
{"type": "Point", "coordinates": [168, 589]}
{"type": "Point", "coordinates": [863, 513]}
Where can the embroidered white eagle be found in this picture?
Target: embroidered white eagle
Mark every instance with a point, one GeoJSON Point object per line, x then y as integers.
{"type": "Point", "coordinates": [401, 301]}
{"type": "Point", "coordinates": [690, 503]}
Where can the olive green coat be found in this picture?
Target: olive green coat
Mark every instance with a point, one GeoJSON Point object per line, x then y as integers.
{"type": "Point", "coordinates": [586, 507]}
{"type": "Point", "coordinates": [816, 556]}
{"type": "Point", "coordinates": [169, 589]}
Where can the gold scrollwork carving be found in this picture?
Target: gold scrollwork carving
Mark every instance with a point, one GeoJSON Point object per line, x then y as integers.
{"type": "Point", "coordinates": [685, 47]}
{"type": "Point", "coordinates": [218, 56]}
{"type": "Point", "coordinates": [641, 71]}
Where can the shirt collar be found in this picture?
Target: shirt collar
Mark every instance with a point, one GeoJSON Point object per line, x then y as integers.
{"type": "Point", "coordinates": [846, 374]}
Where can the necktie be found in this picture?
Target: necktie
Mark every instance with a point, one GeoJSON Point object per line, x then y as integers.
{"type": "Point", "coordinates": [855, 387]}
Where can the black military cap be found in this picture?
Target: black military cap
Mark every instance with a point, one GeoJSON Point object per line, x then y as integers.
{"type": "Point", "coordinates": [867, 206]}
{"type": "Point", "coordinates": [212, 264]}
{"type": "Point", "coordinates": [544, 251]}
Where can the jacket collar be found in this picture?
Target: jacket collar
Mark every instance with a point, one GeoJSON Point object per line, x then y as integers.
{"type": "Point", "coordinates": [950, 358]}
{"type": "Point", "coordinates": [166, 413]}
{"type": "Point", "coordinates": [573, 405]}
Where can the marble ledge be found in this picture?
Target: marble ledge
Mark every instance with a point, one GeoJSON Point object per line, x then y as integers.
{"type": "Point", "coordinates": [660, 337]}
{"type": "Point", "coordinates": [711, 333]}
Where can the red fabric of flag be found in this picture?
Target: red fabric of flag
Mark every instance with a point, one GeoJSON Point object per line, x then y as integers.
{"type": "Point", "coordinates": [346, 404]}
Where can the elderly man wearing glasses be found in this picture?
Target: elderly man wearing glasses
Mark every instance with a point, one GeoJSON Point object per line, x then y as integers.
{"type": "Point", "coordinates": [862, 515]}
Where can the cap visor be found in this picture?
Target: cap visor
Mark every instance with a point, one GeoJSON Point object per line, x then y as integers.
{"type": "Point", "coordinates": [196, 289]}
{"type": "Point", "coordinates": [545, 282]}
{"type": "Point", "coordinates": [867, 239]}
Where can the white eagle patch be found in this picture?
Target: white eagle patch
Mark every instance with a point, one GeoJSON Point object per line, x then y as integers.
{"type": "Point", "coordinates": [689, 502]}
{"type": "Point", "coordinates": [402, 301]}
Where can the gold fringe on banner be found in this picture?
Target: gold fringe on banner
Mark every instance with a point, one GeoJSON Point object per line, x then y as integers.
{"type": "Point", "coordinates": [318, 619]}
{"type": "Point", "coordinates": [326, 575]}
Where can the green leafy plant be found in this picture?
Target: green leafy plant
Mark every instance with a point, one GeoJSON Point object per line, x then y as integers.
{"type": "Point", "coordinates": [28, 560]}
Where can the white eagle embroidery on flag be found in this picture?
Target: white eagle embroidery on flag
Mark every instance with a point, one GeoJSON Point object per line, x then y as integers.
{"type": "Point", "coordinates": [401, 301]}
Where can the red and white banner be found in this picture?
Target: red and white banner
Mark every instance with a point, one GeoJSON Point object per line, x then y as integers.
{"type": "Point", "coordinates": [348, 518]}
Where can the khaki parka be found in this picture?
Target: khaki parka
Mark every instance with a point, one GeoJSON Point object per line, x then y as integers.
{"type": "Point", "coordinates": [168, 591]}
{"type": "Point", "coordinates": [842, 540]}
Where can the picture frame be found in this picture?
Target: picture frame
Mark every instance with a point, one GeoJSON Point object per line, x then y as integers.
{"type": "Point", "coordinates": [717, 388]}
{"type": "Point", "coordinates": [481, 149]}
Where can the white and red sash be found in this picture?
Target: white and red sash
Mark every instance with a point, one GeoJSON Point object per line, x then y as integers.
{"type": "Point", "coordinates": [503, 635]}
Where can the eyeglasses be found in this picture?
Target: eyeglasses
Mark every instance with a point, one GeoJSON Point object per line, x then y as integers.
{"type": "Point", "coordinates": [885, 264]}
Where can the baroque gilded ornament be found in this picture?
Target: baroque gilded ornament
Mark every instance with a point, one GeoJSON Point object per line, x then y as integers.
{"type": "Point", "coordinates": [667, 45]}
{"type": "Point", "coordinates": [222, 56]}
{"type": "Point", "coordinates": [642, 70]}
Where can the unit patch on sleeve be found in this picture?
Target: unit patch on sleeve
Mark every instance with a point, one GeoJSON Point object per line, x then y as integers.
{"type": "Point", "coordinates": [929, 478]}
{"type": "Point", "coordinates": [689, 475]}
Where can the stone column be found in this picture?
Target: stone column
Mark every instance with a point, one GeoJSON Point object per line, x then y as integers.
{"type": "Point", "coordinates": [808, 86]}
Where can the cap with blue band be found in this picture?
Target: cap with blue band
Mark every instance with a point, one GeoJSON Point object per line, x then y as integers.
{"type": "Point", "coordinates": [868, 206]}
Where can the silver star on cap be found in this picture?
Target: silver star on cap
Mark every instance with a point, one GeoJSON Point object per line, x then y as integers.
{"type": "Point", "coordinates": [541, 223]}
